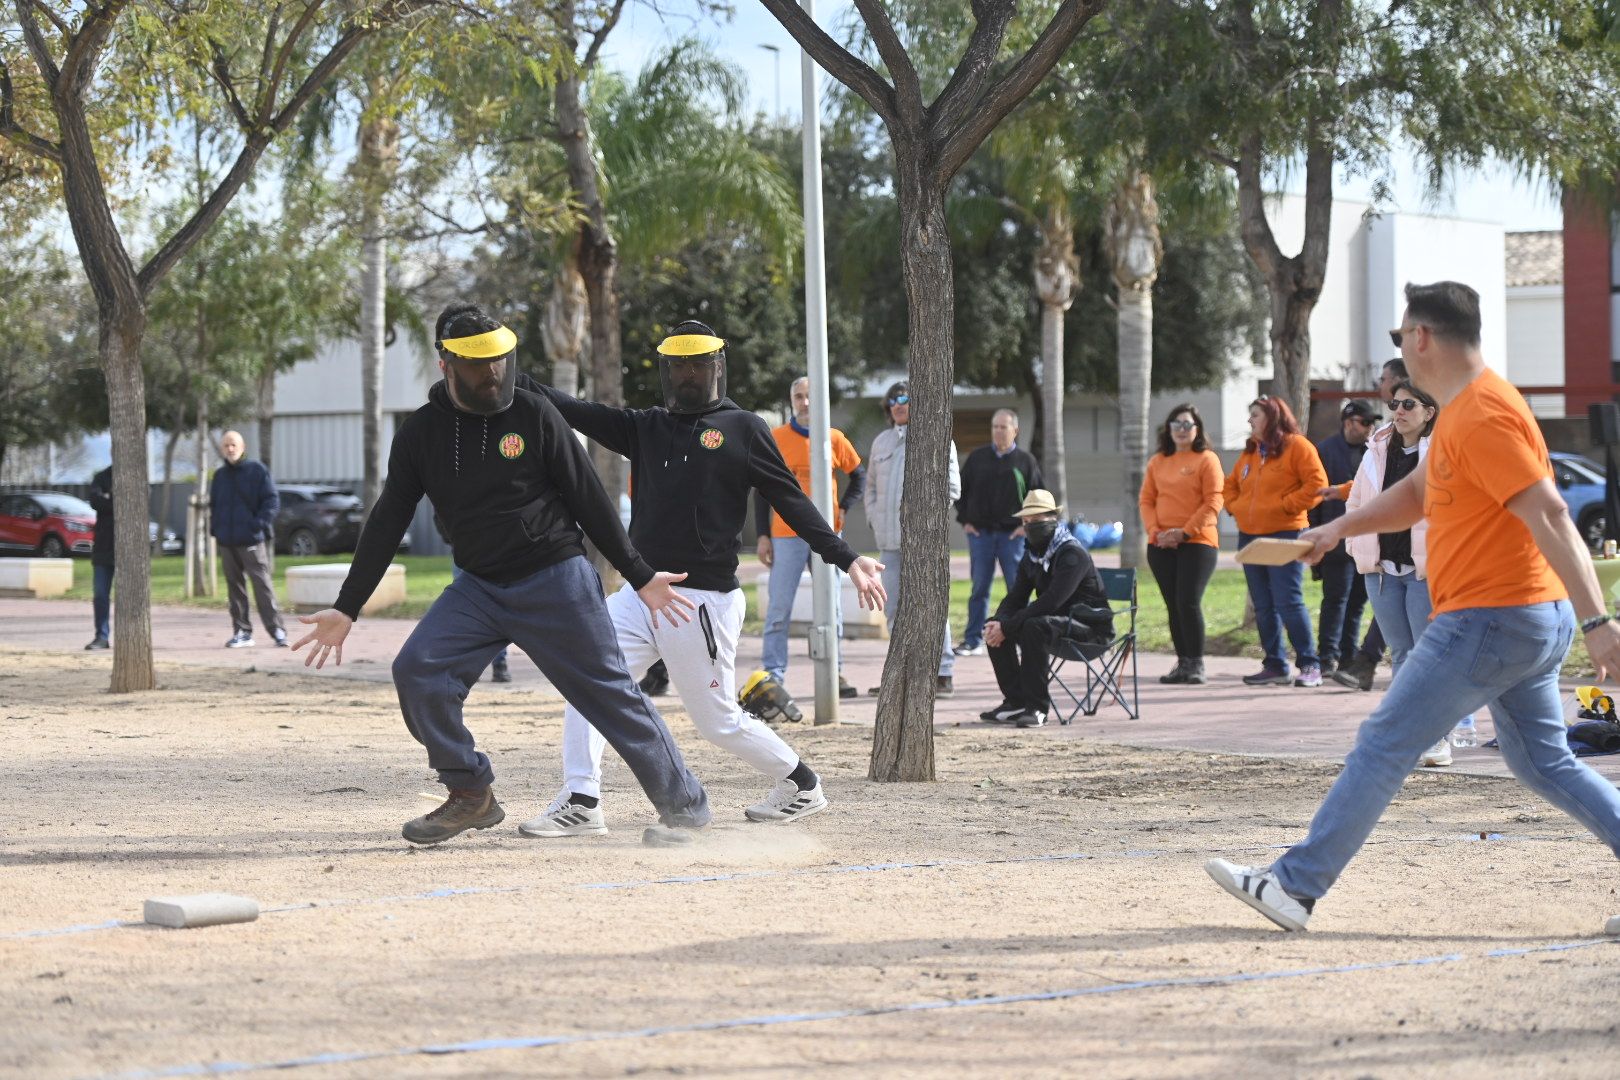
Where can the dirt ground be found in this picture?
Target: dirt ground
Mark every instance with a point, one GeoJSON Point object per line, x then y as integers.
{"type": "Point", "coordinates": [1065, 875]}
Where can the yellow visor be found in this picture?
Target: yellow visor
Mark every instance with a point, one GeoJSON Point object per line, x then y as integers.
{"type": "Point", "coordinates": [487, 346]}
{"type": "Point", "coordinates": [690, 345]}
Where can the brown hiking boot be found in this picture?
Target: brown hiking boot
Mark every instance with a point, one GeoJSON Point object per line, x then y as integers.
{"type": "Point", "coordinates": [466, 808]}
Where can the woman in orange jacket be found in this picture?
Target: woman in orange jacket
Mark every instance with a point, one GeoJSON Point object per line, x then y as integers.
{"type": "Point", "coordinates": [1269, 491]}
{"type": "Point", "coordinates": [1180, 502]}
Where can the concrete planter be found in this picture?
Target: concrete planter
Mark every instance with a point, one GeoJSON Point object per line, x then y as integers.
{"type": "Point", "coordinates": [312, 588]}
{"type": "Point", "coordinates": [35, 579]}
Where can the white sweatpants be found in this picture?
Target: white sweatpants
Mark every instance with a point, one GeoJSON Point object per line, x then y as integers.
{"type": "Point", "coordinates": [701, 656]}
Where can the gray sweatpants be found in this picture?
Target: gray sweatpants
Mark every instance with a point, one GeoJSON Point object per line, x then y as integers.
{"type": "Point", "coordinates": [558, 618]}
{"type": "Point", "coordinates": [250, 564]}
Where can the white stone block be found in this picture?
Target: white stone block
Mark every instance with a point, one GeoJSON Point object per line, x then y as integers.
{"type": "Point", "coordinates": [859, 622]}
{"type": "Point", "coordinates": [203, 909]}
{"type": "Point", "coordinates": [35, 578]}
{"type": "Point", "coordinates": [1612, 927]}
{"type": "Point", "coordinates": [312, 588]}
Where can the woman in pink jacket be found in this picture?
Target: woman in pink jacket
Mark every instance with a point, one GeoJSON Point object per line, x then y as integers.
{"type": "Point", "coordinates": [1395, 564]}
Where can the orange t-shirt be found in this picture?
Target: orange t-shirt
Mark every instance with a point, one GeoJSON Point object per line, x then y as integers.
{"type": "Point", "coordinates": [1486, 449]}
{"type": "Point", "coordinates": [796, 452]}
{"type": "Point", "coordinates": [1183, 491]}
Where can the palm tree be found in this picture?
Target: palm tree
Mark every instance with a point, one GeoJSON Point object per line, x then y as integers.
{"type": "Point", "coordinates": [1131, 226]}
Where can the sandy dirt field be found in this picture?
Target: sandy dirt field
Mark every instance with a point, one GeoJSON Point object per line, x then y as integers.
{"type": "Point", "coordinates": [1040, 911]}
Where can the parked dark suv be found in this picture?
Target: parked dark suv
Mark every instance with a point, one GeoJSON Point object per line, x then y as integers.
{"type": "Point", "coordinates": [317, 520]}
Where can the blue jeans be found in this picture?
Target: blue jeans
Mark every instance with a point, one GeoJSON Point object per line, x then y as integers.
{"type": "Point", "coordinates": [455, 572]}
{"type": "Point", "coordinates": [1278, 593]}
{"type": "Point", "coordinates": [1402, 604]}
{"type": "Point", "coordinates": [1507, 658]}
{"type": "Point", "coordinates": [101, 601]}
{"type": "Point", "coordinates": [891, 585]}
{"type": "Point", "coordinates": [790, 557]}
{"type": "Point", "coordinates": [986, 550]}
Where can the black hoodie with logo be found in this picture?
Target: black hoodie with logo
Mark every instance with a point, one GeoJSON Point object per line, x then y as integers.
{"type": "Point", "coordinates": [512, 490]}
{"type": "Point", "coordinates": [690, 477]}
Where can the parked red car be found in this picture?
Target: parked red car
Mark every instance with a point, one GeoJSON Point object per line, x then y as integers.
{"type": "Point", "coordinates": [46, 523]}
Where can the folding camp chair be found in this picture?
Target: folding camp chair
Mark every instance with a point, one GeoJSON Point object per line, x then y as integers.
{"type": "Point", "coordinates": [1104, 662]}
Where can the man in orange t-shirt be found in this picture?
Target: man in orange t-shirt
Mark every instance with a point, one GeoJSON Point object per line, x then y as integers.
{"type": "Point", "coordinates": [1511, 580]}
{"type": "Point", "coordinates": [780, 548]}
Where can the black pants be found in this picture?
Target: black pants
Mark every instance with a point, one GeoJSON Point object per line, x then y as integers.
{"type": "Point", "coordinates": [1344, 597]}
{"type": "Point", "coordinates": [1020, 663]}
{"type": "Point", "coordinates": [1183, 574]}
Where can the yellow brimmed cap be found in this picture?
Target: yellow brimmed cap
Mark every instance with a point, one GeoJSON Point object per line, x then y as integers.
{"type": "Point", "coordinates": [486, 346]}
{"type": "Point", "coordinates": [690, 345]}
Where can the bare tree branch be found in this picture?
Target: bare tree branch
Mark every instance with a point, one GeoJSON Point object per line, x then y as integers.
{"type": "Point", "coordinates": [37, 46]}
{"type": "Point", "coordinates": [907, 86]}
{"type": "Point", "coordinates": [14, 132]}
{"type": "Point", "coordinates": [1007, 91]}
{"type": "Point", "coordinates": [267, 99]}
{"type": "Point", "coordinates": [85, 47]}
{"type": "Point", "coordinates": [220, 69]}
{"type": "Point", "coordinates": [837, 60]}
{"type": "Point", "coordinates": [1255, 229]}
{"type": "Point", "coordinates": [600, 35]}
{"type": "Point", "coordinates": [45, 10]}
{"type": "Point", "coordinates": [967, 81]}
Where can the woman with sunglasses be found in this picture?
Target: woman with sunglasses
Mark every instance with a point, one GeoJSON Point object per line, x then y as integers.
{"type": "Point", "coordinates": [1395, 563]}
{"type": "Point", "coordinates": [1180, 503]}
{"type": "Point", "coordinates": [1275, 482]}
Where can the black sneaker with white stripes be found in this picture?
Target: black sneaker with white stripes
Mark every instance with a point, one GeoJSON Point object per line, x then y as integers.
{"type": "Point", "coordinates": [786, 802]}
{"type": "Point", "coordinates": [565, 818]}
{"type": "Point", "coordinates": [1260, 889]}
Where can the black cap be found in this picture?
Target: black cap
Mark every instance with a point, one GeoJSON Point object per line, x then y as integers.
{"type": "Point", "coordinates": [1361, 409]}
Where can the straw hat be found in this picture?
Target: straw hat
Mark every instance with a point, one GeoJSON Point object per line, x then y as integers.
{"type": "Point", "coordinates": [1038, 501]}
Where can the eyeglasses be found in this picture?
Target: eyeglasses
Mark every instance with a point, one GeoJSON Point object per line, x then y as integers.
{"type": "Point", "coordinates": [1182, 425]}
{"type": "Point", "coordinates": [899, 399]}
{"type": "Point", "coordinates": [1405, 404]}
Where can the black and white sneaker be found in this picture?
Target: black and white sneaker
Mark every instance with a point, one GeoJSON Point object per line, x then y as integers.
{"type": "Point", "coordinates": [240, 640]}
{"type": "Point", "coordinates": [1261, 890]}
{"type": "Point", "coordinates": [785, 802]}
{"type": "Point", "coordinates": [1030, 718]}
{"type": "Point", "coordinates": [1004, 713]}
{"type": "Point", "coordinates": [565, 818]}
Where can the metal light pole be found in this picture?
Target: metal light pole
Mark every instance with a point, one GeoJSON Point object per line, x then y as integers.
{"type": "Point", "coordinates": [776, 54]}
{"type": "Point", "coordinates": [824, 643]}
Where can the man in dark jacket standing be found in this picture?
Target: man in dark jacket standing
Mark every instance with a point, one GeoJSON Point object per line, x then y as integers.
{"type": "Point", "coordinates": [242, 514]}
{"type": "Point", "coordinates": [995, 479]}
{"type": "Point", "coordinates": [1344, 593]}
{"type": "Point", "coordinates": [1059, 570]}
{"type": "Point", "coordinates": [101, 558]}
{"type": "Point", "coordinates": [514, 490]}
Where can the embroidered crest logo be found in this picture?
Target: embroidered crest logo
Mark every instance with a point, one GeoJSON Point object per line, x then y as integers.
{"type": "Point", "coordinates": [511, 445]}
{"type": "Point", "coordinates": [711, 439]}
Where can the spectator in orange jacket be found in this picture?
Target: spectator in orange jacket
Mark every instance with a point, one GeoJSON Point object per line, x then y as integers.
{"type": "Point", "coordinates": [1269, 491]}
{"type": "Point", "coordinates": [1180, 502]}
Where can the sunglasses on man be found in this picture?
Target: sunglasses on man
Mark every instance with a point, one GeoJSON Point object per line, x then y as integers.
{"type": "Point", "coordinates": [899, 399]}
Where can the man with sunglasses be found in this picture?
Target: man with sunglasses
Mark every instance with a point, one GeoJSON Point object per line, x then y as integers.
{"type": "Point", "coordinates": [1344, 594]}
{"type": "Point", "coordinates": [885, 484]}
{"type": "Point", "coordinates": [1511, 583]}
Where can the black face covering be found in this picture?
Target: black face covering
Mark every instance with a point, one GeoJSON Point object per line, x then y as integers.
{"type": "Point", "coordinates": [1039, 534]}
{"type": "Point", "coordinates": [482, 387]}
{"type": "Point", "coordinates": [691, 383]}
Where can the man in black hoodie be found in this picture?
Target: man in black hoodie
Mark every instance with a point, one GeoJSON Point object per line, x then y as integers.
{"type": "Point", "coordinates": [692, 464]}
{"type": "Point", "coordinates": [513, 488]}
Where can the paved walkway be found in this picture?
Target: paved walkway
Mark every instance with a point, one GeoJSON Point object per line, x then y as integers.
{"type": "Point", "coordinates": [1224, 716]}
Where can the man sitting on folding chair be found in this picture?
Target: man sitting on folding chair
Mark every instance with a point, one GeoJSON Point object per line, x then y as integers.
{"type": "Point", "coordinates": [1057, 568]}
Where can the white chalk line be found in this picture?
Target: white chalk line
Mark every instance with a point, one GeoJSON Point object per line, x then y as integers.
{"type": "Point", "coordinates": [220, 1068]}
{"type": "Point", "coordinates": [447, 893]}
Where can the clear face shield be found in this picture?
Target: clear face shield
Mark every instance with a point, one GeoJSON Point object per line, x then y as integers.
{"type": "Point", "coordinates": [481, 371]}
{"type": "Point", "coordinates": [692, 372]}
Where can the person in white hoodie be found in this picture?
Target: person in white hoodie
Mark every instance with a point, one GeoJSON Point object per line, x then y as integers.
{"type": "Point", "coordinates": [1395, 564]}
{"type": "Point", "coordinates": [885, 484]}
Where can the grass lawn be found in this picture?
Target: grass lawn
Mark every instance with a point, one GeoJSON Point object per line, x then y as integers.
{"type": "Point", "coordinates": [427, 575]}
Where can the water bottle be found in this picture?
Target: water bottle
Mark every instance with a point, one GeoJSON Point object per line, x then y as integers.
{"type": "Point", "coordinates": [1465, 734]}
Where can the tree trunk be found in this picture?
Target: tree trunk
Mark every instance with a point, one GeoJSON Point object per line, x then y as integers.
{"type": "Point", "coordinates": [267, 413]}
{"type": "Point", "coordinates": [903, 742]}
{"type": "Point", "coordinates": [120, 337]}
{"type": "Point", "coordinates": [1057, 280]}
{"type": "Point", "coordinates": [599, 272]}
{"type": "Point", "coordinates": [378, 162]}
{"type": "Point", "coordinates": [563, 330]}
{"type": "Point", "coordinates": [169, 444]}
{"type": "Point", "coordinates": [1135, 249]}
{"type": "Point", "coordinates": [1291, 309]}
{"type": "Point", "coordinates": [200, 576]}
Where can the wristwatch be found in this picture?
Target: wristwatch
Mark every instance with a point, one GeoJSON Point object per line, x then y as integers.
{"type": "Point", "coordinates": [1594, 622]}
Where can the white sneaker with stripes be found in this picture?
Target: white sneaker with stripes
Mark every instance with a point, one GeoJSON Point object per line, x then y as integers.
{"type": "Point", "coordinates": [563, 818]}
{"type": "Point", "coordinates": [785, 802]}
{"type": "Point", "coordinates": [1259, 888]}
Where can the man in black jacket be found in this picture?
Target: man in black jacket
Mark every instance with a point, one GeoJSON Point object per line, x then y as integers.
{"type": "Point", "coordinates": [693, 461]}
{"type": "Point", "coordinates": [101, 558]}
{"type": "Point", "coordinates": [995, 479]}
{"type": "Point", "coordinates": [242, 503]}
{"type": "Point", "coordinates": [513, 488]}
{"type": "Point", "coordinates": [1057, 568]}
{"type": "Point", "coordinates": [1344, 592]}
